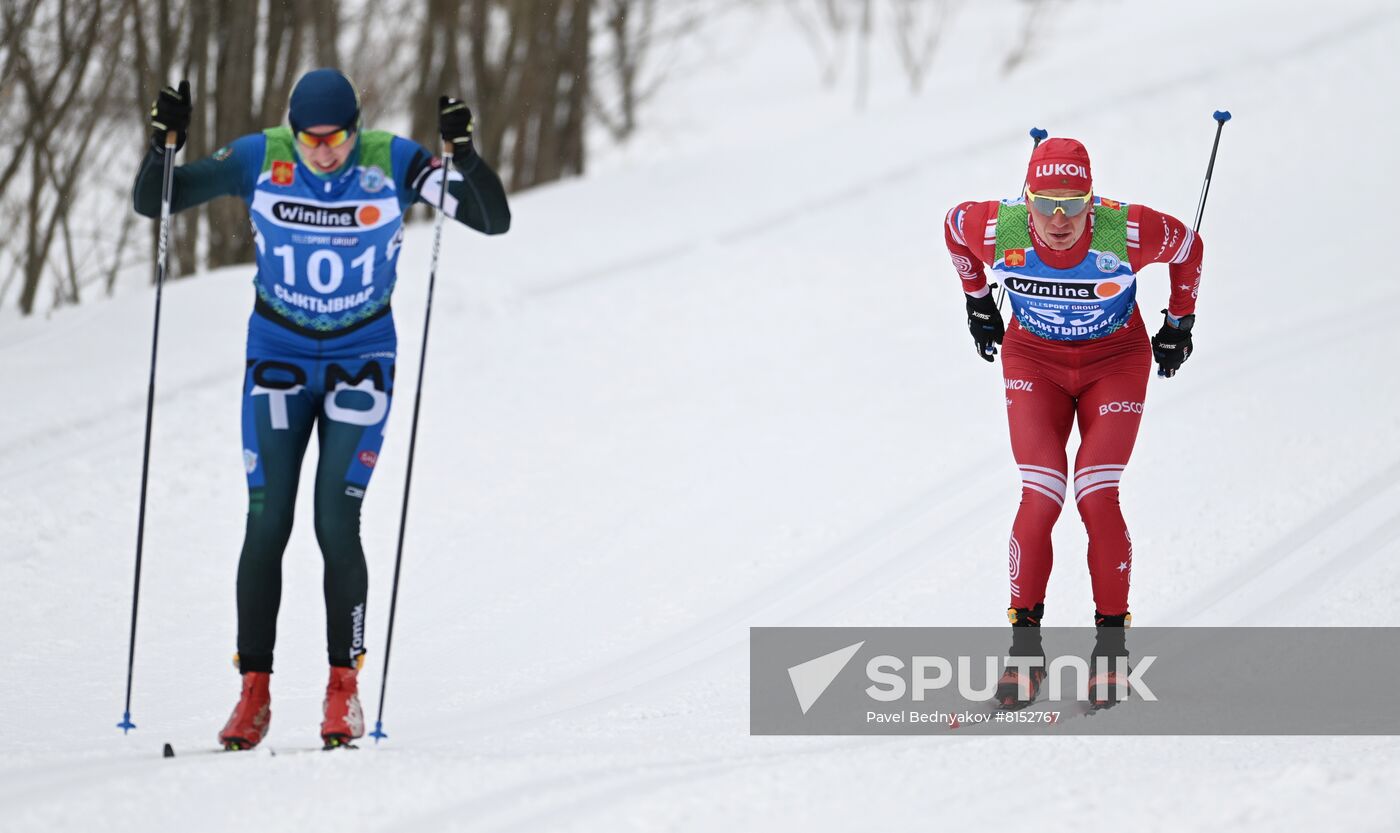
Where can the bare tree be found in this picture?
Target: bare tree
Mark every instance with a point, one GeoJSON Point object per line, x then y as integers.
{"type": "Point", "coordinates": [441, 71]}
{"type": "Point", "coordinates": [242, 60]}
{"type": "Point", "coordinates": [201, 136]}
{"type": "Point", "coordinates": [325, 30]}
{"type": "Point", "coordinates": [281, 56]}
{"type": "Point", "coordinates": [867, 29]}
{"type": "Point", "coordinates": [381, 68]}
{"type": "Point", "coordinates": [15, 21]}
{"type": "Point", "coordinates": [550, 111]}
{"type": "Point", "coordinates": [236, 112]}
{"type": "Point", "coordinates": [75, 70]}
{"type": "Point", "coordinates": [156, 49]}
{"type": "Point", "coordinates": [830, 26]}
{"type": "Point", "coordinates": [918, 28]}
{"type": "Point", "coordinates": [1031, 17]}
{"type": "Point", "coordinates": [824, 23]}
{"type": "Point", "coordinates": [527, 63]}
{"type": "Point", "coordinates": [50, 75]}
{"type": "Point", "coordinates": [82, 69]}
{"type": "Point", "coordinates": [629, 26]}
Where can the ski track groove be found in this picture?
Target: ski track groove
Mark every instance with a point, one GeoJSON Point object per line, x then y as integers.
{"type": "Point", "coordinates": [509, 800]}
{"type": "Point", "coordinates": [1253, 570]}
{"type": "Point", "coordinates": [528, 709]}
{"type": "Point", "coordinates": [71, 777]}
{"type": "Point", "coordinates": [643, 777]}
{"type": "Point", "coordinates": [110, 430]}
{"type": "Point", "coordinates": [1236, 583]}
{"type": "Point", "coordinates": [911, 516]}
{"type": "Point", "coordinates": [1373, 545]}
{"type": "Point", "coordinates": [619, 676]}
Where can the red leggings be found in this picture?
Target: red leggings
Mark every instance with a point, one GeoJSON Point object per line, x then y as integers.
{"type": "Point", "coordinates": [1048, 383]}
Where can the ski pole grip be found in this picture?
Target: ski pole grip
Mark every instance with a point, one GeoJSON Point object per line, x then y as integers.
{"type": "Point", "coordinates": [1041, 134]}
{"type": "Point", "coordinates": [1222, 116]}
{"type": "Point", "coordinates": [170, 139]}
{"type": "Point", "coordinates": [446, 149]}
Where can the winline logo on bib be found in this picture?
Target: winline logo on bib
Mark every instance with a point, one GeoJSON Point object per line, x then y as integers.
{"type": "Point", "coordinates": [342, 216]}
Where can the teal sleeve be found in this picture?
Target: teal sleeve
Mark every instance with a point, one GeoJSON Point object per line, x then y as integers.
{"type": "Point", "coordinates": [481, 198]}
{"type": "Point", "coordinates": [232, 171]}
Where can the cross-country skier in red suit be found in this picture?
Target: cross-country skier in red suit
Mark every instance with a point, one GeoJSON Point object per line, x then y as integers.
{"type": "Point", "coordinates": [1076, 348]}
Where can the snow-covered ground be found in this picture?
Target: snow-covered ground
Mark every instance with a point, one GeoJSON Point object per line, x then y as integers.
{"type": "Point", "coordinates": [723, 382]}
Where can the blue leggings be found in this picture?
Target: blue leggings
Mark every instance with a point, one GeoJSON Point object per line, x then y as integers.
{"type": "Point", "coordinates": [343, 386]}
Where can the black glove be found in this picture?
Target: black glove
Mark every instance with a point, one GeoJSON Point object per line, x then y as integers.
{"type": "Point", "coordinates": [455, 124]}
{"type": "Point", "coordinates": [984, 320]}
{"type": "Point", "coordinates": [1172, 345]}
{"type": "Point", "coordinates": [171, 111]}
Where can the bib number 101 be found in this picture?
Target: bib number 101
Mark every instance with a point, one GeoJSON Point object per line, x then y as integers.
{"type": "Point", "coordinates": [325, 268]}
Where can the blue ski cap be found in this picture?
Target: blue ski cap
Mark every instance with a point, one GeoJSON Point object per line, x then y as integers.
{"type": "Point", "coordinates": [324, 96]}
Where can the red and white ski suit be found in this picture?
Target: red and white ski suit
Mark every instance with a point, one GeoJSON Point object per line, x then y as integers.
{"type": "Point", "coordinates": [1050, 382]}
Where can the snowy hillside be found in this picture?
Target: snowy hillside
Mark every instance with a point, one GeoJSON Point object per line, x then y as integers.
{"type": "Point", "coordinates": [725, 381]}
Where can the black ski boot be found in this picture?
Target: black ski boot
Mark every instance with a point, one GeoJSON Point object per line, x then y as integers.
{"type": "Point", "coordinates": [1108, 664]}
{"type": "Point", "coordinates": [1017, 688]}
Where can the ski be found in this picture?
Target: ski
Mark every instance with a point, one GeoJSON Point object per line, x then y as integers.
{"type": "Point", "coordinates": [168, 751]}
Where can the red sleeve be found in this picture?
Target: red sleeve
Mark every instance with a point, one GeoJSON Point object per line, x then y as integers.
{"type": "Point", "coordinates": [965, 231]}
{"type": "Point", "coordinates": [1154, 237]}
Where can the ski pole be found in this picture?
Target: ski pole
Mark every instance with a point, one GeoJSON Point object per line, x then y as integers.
{"type": "Point", "coordinates": [1220, 116]}
{"type": "Point", "coordinates": [1038, 135]}
{"type": "Point", "coordinates": [378, 733]}
{"type": "Point", "coordinates": [167, 178]}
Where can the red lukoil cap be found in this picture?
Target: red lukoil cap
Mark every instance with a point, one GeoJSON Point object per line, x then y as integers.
{"type": "Point", "coordinates": [1059, 163]}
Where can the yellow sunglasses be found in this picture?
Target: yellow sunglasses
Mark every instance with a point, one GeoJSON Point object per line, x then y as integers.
{"type": "Point", "coordinates": [1069, 206]}
{"type": "Point", "coordinates": [334, 139]}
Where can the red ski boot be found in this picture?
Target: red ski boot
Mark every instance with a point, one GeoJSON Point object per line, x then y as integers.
{"type": "Point", "coordinates": [248, 724]}
{"type": "Point", "coordinates": [344, 720]}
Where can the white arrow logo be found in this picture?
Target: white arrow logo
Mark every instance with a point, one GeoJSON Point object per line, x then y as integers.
{"type": "Point", "coordinates": [811, 678]}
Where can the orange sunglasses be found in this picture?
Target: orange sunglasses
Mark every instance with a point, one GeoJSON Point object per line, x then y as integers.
{"type": "Point", "coordinates": [334, 139]}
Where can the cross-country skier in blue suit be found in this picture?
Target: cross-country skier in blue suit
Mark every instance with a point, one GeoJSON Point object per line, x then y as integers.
{"type": "Point", "coordinates": [327, 200]}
